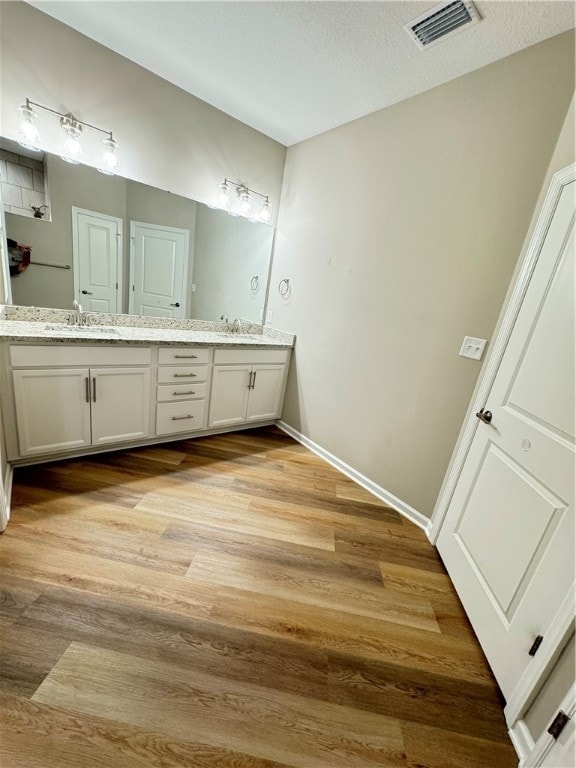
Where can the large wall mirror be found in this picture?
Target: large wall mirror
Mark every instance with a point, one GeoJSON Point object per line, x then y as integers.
{"type": "Point", "coordinates": [121, 246]}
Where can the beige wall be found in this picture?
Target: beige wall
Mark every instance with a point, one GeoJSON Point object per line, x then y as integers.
{"type": "Point", "coordinates": [229, 252]}
{"type": "Point", "coordinates": [399, 233]}
{"type": "Point", "coordinates": [168, 139]}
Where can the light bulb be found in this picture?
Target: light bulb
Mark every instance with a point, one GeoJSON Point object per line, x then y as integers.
{"type": "Point", "coordinates": [245, 205]}
{"type": "Point", "coordinates": [109, 159]}
{"type": "Point", "coordinates": [72, 149]}
{"type": "Point", "coordinates": [223, 195]}
{"type": "Point", "coordinates": [265, 211]}
{"type": "Point", "coordinates": [28, 135]}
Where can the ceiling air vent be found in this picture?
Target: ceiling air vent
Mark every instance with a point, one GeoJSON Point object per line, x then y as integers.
{"type": "Point", "coordinates": [441, 21]}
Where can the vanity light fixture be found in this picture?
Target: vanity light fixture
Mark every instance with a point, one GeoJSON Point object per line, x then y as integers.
{"type": "Point", "coordinates": [244, 202]}
{"type": "Point", "coordinates": [72, 127]}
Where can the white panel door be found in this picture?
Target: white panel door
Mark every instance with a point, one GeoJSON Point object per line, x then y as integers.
{"type": "Point", "coordinates": [120, 404]}
{"type": "Point", "coordinates": [158, 270]}
{"type": "Point", "coordinates": [97, 254]}
{"type": "Point", "coordinates": [265, 397]}
{"type": "Point", "coordinates": [508, 537]}
{"type": "Point", "coordinates": [53, 409]}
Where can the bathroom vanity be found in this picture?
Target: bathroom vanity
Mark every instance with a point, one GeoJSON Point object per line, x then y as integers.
{"type": "Point", "coordinates": [70, 391]}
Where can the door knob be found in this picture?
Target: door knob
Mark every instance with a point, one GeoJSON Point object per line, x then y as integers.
{"type": "Point", "coordinates": [485, 416]}
{"type": "Point", "coordinates": [87, 293]}
{"type": "Point", "coordinates": [175, 305]}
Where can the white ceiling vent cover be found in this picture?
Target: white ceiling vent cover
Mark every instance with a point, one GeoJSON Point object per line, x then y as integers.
{"type": "Point", "coordinates": [442, 21]}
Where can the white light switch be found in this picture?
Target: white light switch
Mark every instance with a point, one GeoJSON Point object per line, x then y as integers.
{"type": "Point", "coordinates": [472, 347]}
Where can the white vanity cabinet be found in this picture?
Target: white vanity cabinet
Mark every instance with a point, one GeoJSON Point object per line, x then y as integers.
{"type": "Point", "coordinates": [70, 397]}
{"type": "Point", "coordinates": [182, 391]}
{"type": "Point", "coordinates": [247, 386]}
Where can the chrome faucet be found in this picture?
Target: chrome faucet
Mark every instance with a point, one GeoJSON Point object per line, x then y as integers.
{"type": "Point", "coordinates": [236, 326]}
{"type": "Point", "coordinates": [78, 316]}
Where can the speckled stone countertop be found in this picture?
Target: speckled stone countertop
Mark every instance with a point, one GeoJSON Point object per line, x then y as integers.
{"type": "Point", "coordinates": [19, 323]}
{"type": "Point", "coordinates": [25, 330]}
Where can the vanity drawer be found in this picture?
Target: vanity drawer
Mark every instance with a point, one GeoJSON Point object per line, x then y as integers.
{"type": "Point", "coordinates": [174, 392]}
{"type": "Point", "coordinates": [183, 355]}
{"type": "Point", "coordinates": [30, 356]}
{"type": "Point", "coordinates": [180, 417]}
{"type": "Point", "coordinates": [227, 355]}
{"type": "Point", "coordinates": [180, 374]}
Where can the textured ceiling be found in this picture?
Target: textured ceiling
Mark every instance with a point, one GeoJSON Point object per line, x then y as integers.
{"type": "Point", "coordinates": [295, 69]}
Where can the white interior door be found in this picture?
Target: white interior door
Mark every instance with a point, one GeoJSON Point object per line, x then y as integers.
{"type": "Point", "coordinates": [508, 537]}
{"type": "Point", "coordinates": [158, 270]}
{"type": "Point", "coordinates": [97, 253]}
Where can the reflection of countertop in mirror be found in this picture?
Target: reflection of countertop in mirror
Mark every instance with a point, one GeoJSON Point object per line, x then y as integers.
{"type": "Point", "coordinates": [15, 330]}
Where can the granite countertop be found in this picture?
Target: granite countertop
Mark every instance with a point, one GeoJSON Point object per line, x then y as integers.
{"type": "Point", "coordinates": [20, 330]}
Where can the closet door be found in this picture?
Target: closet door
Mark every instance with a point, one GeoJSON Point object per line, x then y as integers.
{"type": "Point", "coordinates": [508, 537]}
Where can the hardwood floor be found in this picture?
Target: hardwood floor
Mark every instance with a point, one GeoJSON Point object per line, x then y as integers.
{"type": "Point", "coordinates": [231, 601]}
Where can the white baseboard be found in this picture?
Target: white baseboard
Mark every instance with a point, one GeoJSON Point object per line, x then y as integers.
{"type": "Point", "coordinates": [381, 493]}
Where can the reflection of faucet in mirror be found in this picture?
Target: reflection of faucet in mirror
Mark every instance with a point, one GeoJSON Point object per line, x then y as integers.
{"type": "Point", "coordinates": [236, 326]}
{"type": "Point", "coordinates": [78, 316]}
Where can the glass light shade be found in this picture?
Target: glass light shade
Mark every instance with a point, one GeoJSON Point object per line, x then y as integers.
{"type": "Point", "coordinates": [223, 195]}
{"type": "Point", "coordinates": [265, 211]}
{"type": "Point", "coordinates": [245, 205]}
{"type": "Point", "coordinates": [109, 159]}
{"type": "Point", "coordinates": [72, 149]}
{"type": "Point", "coordinates": [28, 135]}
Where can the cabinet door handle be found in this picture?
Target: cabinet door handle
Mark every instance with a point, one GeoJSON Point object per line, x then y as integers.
{"type": "Point", "coordinates": [181, 357]}
{"type": "Point", "coordinates": [254, 379]}
{"type": "Point", "coordinates": [184, 375]}
{"type": "Point", "coordinates": [179, 418]}
{"type": "Point", "coordinates": [87, 383]}
{"type": "Point", "coordinates": [184, 393]}
{"type": "Point", "coordinates": [250, 380]}
{"type": "Point", "coordinates": [94, 388]}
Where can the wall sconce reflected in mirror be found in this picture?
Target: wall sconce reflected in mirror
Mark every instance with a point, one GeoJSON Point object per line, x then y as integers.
{"type": "Point", "coordinates": [29, 136]}
{"type": "Point", "coordinates": [244, 201]}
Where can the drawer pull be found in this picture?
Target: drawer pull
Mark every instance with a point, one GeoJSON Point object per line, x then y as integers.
{"type": "Point", "coordinates": [180, 418]}
{"type": "Point", "coordinates": [184, 375]}
{"type": "Point", "coordinates": [182, 357]}
{"type": "Point", "coordinates": [184, 393]}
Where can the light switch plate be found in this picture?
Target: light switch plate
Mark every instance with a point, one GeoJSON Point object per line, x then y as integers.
{"type": "Point", "coordinates": [472, 347]}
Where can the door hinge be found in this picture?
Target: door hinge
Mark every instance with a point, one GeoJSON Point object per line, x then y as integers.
{"type": "Point", "coordinates": [116, 286]}
{"type": "Point", "coordinates": [133, 287]}
{"type": "Point", "coordinates": [535, 645]}
{"type": "Point", "coordinates": [558, 724]}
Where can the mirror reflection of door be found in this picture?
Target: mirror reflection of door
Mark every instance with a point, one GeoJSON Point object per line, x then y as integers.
{"type": "Point", "coordinates": [97, 253]}
{"type": "Point", "coordinates": [158, 270]}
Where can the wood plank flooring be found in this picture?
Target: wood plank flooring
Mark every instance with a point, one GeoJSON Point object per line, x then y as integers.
{"type": "Point", "coordinates": [231, 602]}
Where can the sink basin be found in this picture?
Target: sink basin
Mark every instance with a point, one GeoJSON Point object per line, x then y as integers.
{"type": "Point", "coordinates": [232, 336]}
{"type": "Point", "coordinates": [78, 330]}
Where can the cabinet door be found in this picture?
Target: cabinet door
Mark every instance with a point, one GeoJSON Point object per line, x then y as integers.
{"type": "Point", "coordinates": [265, 400]}
{"type": "Point", "coordinates": [52, 409]}
{"type": "Point", "coordinates": [120, 404]}
{"type": "Point", "coordinates": [229, 396]}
